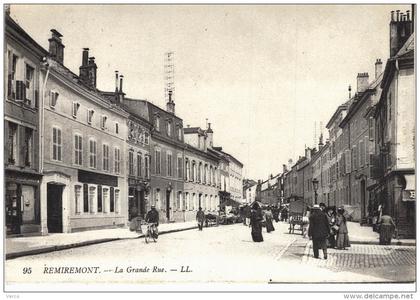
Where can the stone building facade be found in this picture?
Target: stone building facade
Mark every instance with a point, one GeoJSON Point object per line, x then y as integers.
{"type": "Point", "coordinates": [22, 169]}
{"type": "Point", "coordinates": [167, 162]}
{"type": "Point", "coordinates": [84, 184]}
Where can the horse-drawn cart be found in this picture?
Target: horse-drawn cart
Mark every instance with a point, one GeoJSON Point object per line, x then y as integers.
{"type": "Point", "coordinates": [297, 216]}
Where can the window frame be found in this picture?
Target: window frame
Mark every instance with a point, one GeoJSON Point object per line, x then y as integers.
{"type": "Point", "coordinates": [55, 144]}
{"type": "Point", "coordinates": [78, 153]}
{"type": "Point", "coordinates": [93, 155]}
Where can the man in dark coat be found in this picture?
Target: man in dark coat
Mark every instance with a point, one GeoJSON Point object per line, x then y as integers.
{"type": "Point", "coordinates": [152, 216]}
{"type": "Point", "coordinates": [200, 217]}
{"type": "Point", "coordinates": [319, 230]}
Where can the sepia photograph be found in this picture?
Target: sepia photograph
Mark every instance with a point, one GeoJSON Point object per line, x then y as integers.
{"type": "Point", "coordinates": [209, 147]}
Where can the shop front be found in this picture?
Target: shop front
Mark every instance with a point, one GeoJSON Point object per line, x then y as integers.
{"type": "Point", "coordinates": [138, 194]}
{"type": "Point", "coordinates": [22, 205]}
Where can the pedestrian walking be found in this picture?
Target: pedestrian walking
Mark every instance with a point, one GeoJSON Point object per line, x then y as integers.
{"type": "Point", "coordinates": [342, 233]}
{"type": "Point", "coordinates": [333, 227]}
{"type": "Point", "coordinates": [269, 221]}
{"type": "Point", "coordinates": [200, 217]}
{"type": "Point", "coordinates": [256, 226]}
{"type": "Point", "coordinates": [248, 215]}
{"type": "Point", "coordinates": [318, 231]}
{"type": "Point", "coordinates": [276, 212]}
{"type": "Point", "coordinates": [386, 229]}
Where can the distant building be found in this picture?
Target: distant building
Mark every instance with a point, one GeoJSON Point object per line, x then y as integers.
{"type": "Point", "coordinates": [269, 191]}
{"type": "Point", "coordinates": [201, 173]}
{"type": "Point", "coordinates": [249, 190]}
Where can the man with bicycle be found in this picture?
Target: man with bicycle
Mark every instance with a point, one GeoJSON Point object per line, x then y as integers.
{"type": "Point", "coordinates": [153, 217]}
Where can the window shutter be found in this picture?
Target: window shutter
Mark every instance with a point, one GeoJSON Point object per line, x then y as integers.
{"type": "Point", "coordinates": [20, 90]}
{"type": "Point", "coordinates": [36, 99]}
{"type": "Point", "coordinates": [348, 161]}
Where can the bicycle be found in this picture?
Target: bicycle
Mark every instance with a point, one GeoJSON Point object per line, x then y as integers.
{"type": "Point", "coordinates": [151, 233]}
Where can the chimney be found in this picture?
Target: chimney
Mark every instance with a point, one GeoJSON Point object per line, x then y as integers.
{"type": "Point", "coordinates": [308, 153]}
{"type": "Point", "coordinates": [209, 132]}
{"type": "Point", "coordinates": [400, 29]}
{"type": "Point", "coordinates": [378, 68]}
{"type": "Point", "coordinates": [87, 71]}
{"type": "Point", "coordinates": [284, 168]}
{"type": "Point", "coordinates": [170, 105]}
{"type": "Point", "coordinates": [116, 82]}
{"type": "Point", "coordinates": [120, 92]}
{"type": "Point", "coordinates": [56, 47]}
{"type": "Point", "coordinates": [362, 82]}
{"type": "Point", "coordinates": [321, 143]}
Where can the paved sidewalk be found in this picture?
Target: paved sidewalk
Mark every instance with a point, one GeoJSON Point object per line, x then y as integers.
{"type": "Point", "coordinates": [23, 246]}
{"type": "Point", "coordinates": [365, 235]}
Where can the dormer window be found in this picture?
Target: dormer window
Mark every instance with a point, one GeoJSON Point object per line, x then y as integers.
{"type": "Point", "coordinates": [75, 109]}
{"type": "Point", "coordinates": [157, 123]}
{"type": "Point", "coordinates": [53, 98]}
{"type": "Point", "coordinates": [169, 128]}
{"type": "Point", "coordinates": [103, 122]}
{"type": "Point", "coordinates": [90, 115]}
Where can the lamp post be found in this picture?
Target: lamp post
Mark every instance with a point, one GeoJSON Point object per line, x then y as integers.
{"type": "Point", "coordinates": [315, 186]}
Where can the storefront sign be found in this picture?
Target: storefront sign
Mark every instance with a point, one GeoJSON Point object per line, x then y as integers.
{"type": "Point", "coordinates": [97, 178]}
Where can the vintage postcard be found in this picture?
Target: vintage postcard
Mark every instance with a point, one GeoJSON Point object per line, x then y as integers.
{"type": "Point", "coordinates": [204, 147]}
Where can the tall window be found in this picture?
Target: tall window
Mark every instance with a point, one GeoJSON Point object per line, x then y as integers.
{"type": "Point", "coordinates": [157, 161]}
{"type": "Point", "coordinates": [92, 154]}
{"type": "Point", "coordinates": [28, 147]}
{"type": "Point", "coordinates": [117, 160]}
{"type": "Point", "coordinates": [12, 142]}
{"type": "Point", "coordinates": [78, 149]}
{"type": "Point", "coordinates": [199, 172]}
{"type": "Point", "coordinates": [131, 162]}
{"type": "Point", "coordinates": [11, 76]}
{"type": "Point", "coordinates": [75, 109]}
{"type": "Point", "coordinates": [57, 144]}
{"type": "Point", "coordinates": [105, 157]}
{"type": "Point", "coordinates": [180, 165]}
{"type": "Point", "coordinates": [205, 174]}
{"type": "Point", "coordinates": [169, 128]}
{"type": "Point", "coordinates": [139, 164]}
{"type": "Point", "coordinates": [103, 122]}
{"type": "Point", "coordinates": [146, 138]}
{"type": "Point", "coordinates": [116, 128]}
{"type": "Point", "coordinates": [29, 84]}
{"type": "Point", "coordinates": [53, 98]}
{"type": "Point", "coordinates": [147, 166]}
{"type": "Point", "coordinates": [169, 164]}
{"type": "Point", "coordinates": [90, 113]}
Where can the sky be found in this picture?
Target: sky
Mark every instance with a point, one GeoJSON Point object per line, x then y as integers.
{"type": "Point", "coordinates": [263, 75]}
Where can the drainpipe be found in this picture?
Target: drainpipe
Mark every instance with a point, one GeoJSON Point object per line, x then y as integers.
{"type": "Point", "coordinates": [41, 117]}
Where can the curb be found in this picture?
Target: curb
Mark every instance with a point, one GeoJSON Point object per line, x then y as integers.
{"type": "Point", "coordinates": [396, 243]}
{"type": "Point", "coordinates": [48, 249]}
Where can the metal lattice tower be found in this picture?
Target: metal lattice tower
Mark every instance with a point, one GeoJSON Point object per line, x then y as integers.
{"type": "Point", "coordinates": [169, 74]}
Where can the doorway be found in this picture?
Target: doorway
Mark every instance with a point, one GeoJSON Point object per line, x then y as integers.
{"type": "Point", "coordinates": [142, 204]}
{"type": "Point", "coordinates": [168, 207]}
{"type": "Point", "coordinates": [55, 207]}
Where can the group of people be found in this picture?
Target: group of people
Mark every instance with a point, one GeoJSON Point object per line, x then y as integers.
{"type": "Point", "coordinates": [262, 215]}
{"type": "Point", "coordinates": [328, 229]}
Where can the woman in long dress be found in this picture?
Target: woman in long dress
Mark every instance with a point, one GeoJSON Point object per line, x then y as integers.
{"type": "Point", "coordinates": [256, 226]}
{"type": "Point", "coordinates": [269, 221]}
{"type": "Point", "coordinates": [342, 234]}
{"type": "Point", "coordinates": [386, 229]}
{"type": "Point", "coordinates": [331, 221]}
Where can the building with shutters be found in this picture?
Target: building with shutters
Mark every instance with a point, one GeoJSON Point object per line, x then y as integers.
{"type": "Point", "coordinates": [22, 169]}
{"type": "Point", "coordinates": [83, 151]}
{"type": "Point", "coordinates": [394, 159]}
{"type": "Point", "coordinates": [167, 161]}
{"type": "Point", "coordinates": [360, 144]}
{"type": "Point", "coordinates": [201, 187]}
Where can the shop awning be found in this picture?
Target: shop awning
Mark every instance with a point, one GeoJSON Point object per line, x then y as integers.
{"type": "Point", "coordinates": [409, 194]}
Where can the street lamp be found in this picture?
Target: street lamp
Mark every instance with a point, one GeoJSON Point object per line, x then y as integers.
{"type": "Point", "coordinates": [315, 185]}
